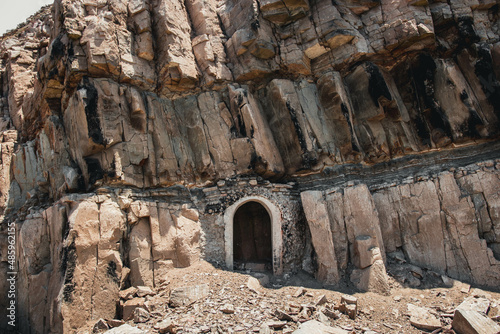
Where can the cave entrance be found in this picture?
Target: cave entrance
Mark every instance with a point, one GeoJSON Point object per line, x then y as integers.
{"type": "Point", "coordinates": [253, 236]}
{"type": "Point", "coordinates": [252, 246]}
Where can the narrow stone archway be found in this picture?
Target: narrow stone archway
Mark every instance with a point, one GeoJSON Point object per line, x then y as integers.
{"type": "Point", "coordinates": [253, 233]}
{"type": "Point", "coordinates": [252, 237]}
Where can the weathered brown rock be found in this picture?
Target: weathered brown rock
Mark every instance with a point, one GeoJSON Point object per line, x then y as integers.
{"type": "Point", "coordinates": [373, 278]}
{"type": "Point", "coordinates": [128, 128]}
{"type": "Point", "coordinates": [188, 295]}
{"type": "Point", "coordinates": [317, 217]}
{"type": "Point", "coordinates": [422, 318]}
{"type": "Point", "coordinates": [129, 307]}
{"type": "Point", "coordinates": [468, 321]}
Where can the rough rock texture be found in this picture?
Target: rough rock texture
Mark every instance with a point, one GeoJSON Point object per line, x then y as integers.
{"type": "Point", "coordinates": [128, 127]}
{"type": "Point", "coordinates": [435, 221]}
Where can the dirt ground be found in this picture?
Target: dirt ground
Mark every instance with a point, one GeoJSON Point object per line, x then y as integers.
{"type": "Point", "coordinates": [253, 308]}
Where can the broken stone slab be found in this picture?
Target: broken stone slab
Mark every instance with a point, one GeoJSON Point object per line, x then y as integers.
{"type": "Point", "coordinates": [253, 285]}
{"type": "Point", "coordinates": [227, 309]}
{"type": "Point", "coordinates": [282, 315]}
{"type": "Point", "coordinates": [299, 292]}
{"type": "Point", "coordinates": [188, 295]}
{"type": "Point", "coordinates": [125, 329]}
{"type": "Point", "coordinates": [275, 324]}
{"type": "Point", "coordinates": [316, 327]}
{"type": "Point", "coordinates": [141, 315]}
{"type": "Point", "coordinates": [143, 291]}
{"type": "Point", "coordinates": [100, 325]}
{"type": "Point", "coordinates": [478, 304]}
{"type": "Point", "coordinates": [128, 293]}
{"type": "Point", "coordinates": [349, 306]}
{"type": "Point", "coordinates": [112, 323]}
{"type": "Point", "coordinates": [321, 300]}
{"type": "Point", "coordinates": [472, 322]}
{"type": "Point", "coordinates": [421, 318]}
{"type": "Point", "coordinates": [331, 314]}
{"type": "Point", "coordinates": [265, 329]}
{"type": "Point", "coordinates": [166, 326]}
{"type": "Point", "coordinates": [372, 279]}
{"type": "Point", "coordinates": [130, 306]}
{"type": "Point", "coordinates": [321, 317]}
{"type": "Point", "coordinates": [348, 299]}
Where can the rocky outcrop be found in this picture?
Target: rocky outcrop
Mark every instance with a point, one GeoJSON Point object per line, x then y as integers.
{"type": "Point", "coordinates": [440, 223]}
{"type": "Point", "coordinates": [122, 85]}
{"type": "Point", "coordinates": [99, 243]}
{"type": "Point", "coordinates": [129, 127]}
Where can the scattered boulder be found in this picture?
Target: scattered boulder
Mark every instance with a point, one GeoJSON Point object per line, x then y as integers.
{"type": "Point", "coordinates": [349, 306]}
{"type": "Point", "coordinates": [188, 295]}
{"type": "Point", "coordinates": [316, 327]}
{"type": "Point", "coordinates": [143, 291]}
{"type": "Point", "coordinates": [100, 325]}
{"type": "Point", "coordinates": [372, 278]}
{"type": "Point", "coordinates": [141, 315]}
{"type": "Point", "coordinates": [128, 293]}
{"type": "Point", "coordinates": [228, 309]}
{"type": "Point", "coordinates": [253, 285]}
{"type": "Point", "coordinates": [129, 307]}
{"type": "Point", "coordinates": [334, 314]}
{"type": "Point", "coordinates": [478, 304]}
{"type": "Point", "coordinates": [265, 329]}
{"type": "Point", "coordinates": [275, 324]}
{"type": "Point", "coordinates": [282, 315]}
{"type": "Point", "coordinates": [166, 326]}
{"type": "Point", "coordinates": [125, 329]}
{"type": "Point", "coordinates": [467, 321]}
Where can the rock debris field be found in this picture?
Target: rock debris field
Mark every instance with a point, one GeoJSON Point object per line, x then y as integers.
{"type": "Point", "coordinates": [206, 299]}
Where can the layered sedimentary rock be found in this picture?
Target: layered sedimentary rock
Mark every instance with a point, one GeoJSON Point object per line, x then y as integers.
{"type": "Point", "coordinates": [130, 127]}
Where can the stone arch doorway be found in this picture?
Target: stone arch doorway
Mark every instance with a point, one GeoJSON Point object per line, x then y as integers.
{"type": "Point", "coordinates": [253, 233]}
{"type": "Point", "coordinates": [252, 236]}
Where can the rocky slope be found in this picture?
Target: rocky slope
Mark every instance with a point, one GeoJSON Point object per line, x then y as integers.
{"type": "Point", "coordinates": [130, 128]}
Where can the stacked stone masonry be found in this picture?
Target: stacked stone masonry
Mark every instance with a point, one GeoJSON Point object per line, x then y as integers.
{"type": "Point", "coordinates": [129, 128]}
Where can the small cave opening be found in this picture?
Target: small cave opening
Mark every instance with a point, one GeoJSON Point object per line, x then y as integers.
{"type": "Point", "coordinates": [252, 238]}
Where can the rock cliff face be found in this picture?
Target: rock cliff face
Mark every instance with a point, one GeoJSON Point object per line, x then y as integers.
{"type": "Point", "coordinates": [131, 128]}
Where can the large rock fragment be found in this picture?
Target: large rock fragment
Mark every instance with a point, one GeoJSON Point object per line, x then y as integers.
{"type": "Point", "coordinates": [281, 12]}
{"type": "Point", "coordinates": [176, 66]}
{"type": "Point", "coordinates": [188, 295]}
{"type": "Point", "coordinates": [472, 322]}
{"type": "Point", "coordinates": [373, 278]}
{"type": "Point", "coordinates": [422, 318]}
{"type": "Point", "coordinates": [319, 225]}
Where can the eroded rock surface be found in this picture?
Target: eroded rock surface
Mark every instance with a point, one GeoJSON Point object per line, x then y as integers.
{"type": "Point", "coordinates": [128, 128]}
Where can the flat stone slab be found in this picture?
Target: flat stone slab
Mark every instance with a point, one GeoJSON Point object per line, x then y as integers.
{"type": "Point", "coordinates": [421, 318]}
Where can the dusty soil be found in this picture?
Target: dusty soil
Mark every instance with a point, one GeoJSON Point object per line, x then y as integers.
{"type": "Point", "coordinates": [381, 314]}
